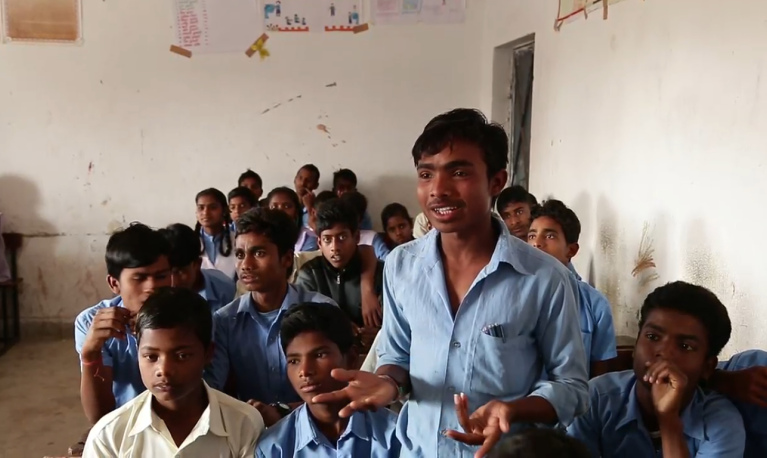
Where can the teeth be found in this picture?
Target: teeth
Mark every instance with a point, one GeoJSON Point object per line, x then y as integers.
{"type": "Point", "coordinates": [445, 210]}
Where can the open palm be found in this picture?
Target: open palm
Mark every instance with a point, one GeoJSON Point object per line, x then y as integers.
{"type": "Point", "coordinates": [364, 391]}
{"type": "Point", "coordinates": [484, 427]}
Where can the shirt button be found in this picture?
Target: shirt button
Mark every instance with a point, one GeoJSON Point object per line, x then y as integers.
{"type": "Point", "coordinates": [451, 389]}
{"type": "Point", "coordinates": [457, 344]}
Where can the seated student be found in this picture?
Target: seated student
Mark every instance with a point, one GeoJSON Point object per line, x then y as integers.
{"type": "Point", "coordinates": [251, 180]}
{"type": "Point", "coordinates": [321, 198]}
{"type": "Point", "coordinates": [398, 225]}
{"type": "Point", "coordinates": [345, 181]}
{"type": "Point", "coordinates": [247, 330]}
{"type": "Point", "coordinates": [515, 205]}
{"type": "Point", "coordinates": [659, 407]}
{"type": "Point", "coordinates": [179, 415]}
{"type": "Point", "coordinates": [306, 181]}
{"type": "Point", "coordinates": [367, 237]}
{"type": "Point", "coordinates": [240, 200]}
{"type": "Point", "coordinates": [337, 273]}
{"type": "Point", "coordinates": [286, 200]}
{"type": "Point", "coordinates": [540, 443]}
{"type": "Point", "coordinates": [743, 379]}
{"type": "Point", "coordinates": [137, 263]}
{"type": "Point", "coordinates": [186, 272]}
{"type": "Point", "coordinates": [421, 225]}
{"type": "Point", "coordinates": [316, 339]}
{"type": "Point", "coordinates": [214, 225]}
{"type": "Point", "coordinates": [555, 229]}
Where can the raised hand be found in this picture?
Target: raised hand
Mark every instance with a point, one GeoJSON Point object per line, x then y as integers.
{"type": "Point", "coordinates": [109, 322]}
{"type": "Point", "coordinates": [484, 427]}
{"type": "Point", "coordinates": [668, 387]}
{"type": "Point", "coordinates": [364, 391]}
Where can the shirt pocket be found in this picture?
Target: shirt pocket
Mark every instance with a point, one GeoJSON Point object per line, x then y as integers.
{"type": "Point", "coordinates": [503, 367]}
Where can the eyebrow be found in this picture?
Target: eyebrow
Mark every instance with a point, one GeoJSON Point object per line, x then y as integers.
{"type": "Point", "coordinates": [680, 336]}
{"type": "Point", "coordinates": [175, 349]}
{"type": "Point", "coordinates": [448, 166]}
{"type": "Point", "coordinates": [313, 350]}
{"type": "Point", "coordinates": [253, 248]}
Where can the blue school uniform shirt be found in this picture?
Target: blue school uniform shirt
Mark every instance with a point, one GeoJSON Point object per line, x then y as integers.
{"type": "Point", "coordinates": [121, 355]}
{"type": "Point", "coordinates": [529, 299]}
{"type": "Point", "coordinates": [571, 267]}
{"type": "Point", "coordinates": [613, 425]}
{"type": "Point", "coordinates": [248, 345]}
{"type": "Point", "coordinates": [211, 243]}
{"type": "Point", "coordinates": [597, 327]}
{"type": "Point", "coordinates": [754, 417]}
{"type": "Point", "coordinates": [368, 435]}
{"type": "Point", "coordinates": [219, 288]}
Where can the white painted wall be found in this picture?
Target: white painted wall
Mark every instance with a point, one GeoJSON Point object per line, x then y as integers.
{"type": "Point", "coordinates": [655, 115]}
{"type": "Point", "coordinates": [157, 128]}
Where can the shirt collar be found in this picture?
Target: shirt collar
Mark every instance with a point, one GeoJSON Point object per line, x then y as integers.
{"type": "Point", "coordinates": [692, 415]}
{"type": "Point", "coordinates": [209, 237]}
{"type": "Point", "coordinates": [307, 432]}
{"type": "Point", "coordinates": [247, 305]}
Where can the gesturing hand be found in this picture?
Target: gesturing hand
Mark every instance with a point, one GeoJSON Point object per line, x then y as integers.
{"type": "Point", "coordinates": [109, 322]}
{"type": "Point", "coordinates": [668, 386]}
{"type": "Point", "coordinates": [372, 313]}
{"type": "Point", "coordinates": [365, 391]}
{"type": "Point", "coordinates": [484, 427]}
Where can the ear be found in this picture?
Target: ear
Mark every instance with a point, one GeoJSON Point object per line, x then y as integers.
{"type": "Point", "coordinates": [114, 284]}
{"type": "Point", "coordinates": [497, 182]}
{"type": "Point", "coordinates": [708, 368]}
{"type": "Point", "coordinates": [572, 250]}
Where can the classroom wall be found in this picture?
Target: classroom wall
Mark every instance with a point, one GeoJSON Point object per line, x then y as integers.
{"type": "Point", "coordinates": [655, 117]}
{"type": "Point", "coordinates": [120, 129]}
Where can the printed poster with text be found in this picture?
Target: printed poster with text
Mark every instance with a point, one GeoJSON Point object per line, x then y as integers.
{"type": "Point", "coordinates": [396, 11]}
{"type": "Point", "coordinates": [572, 9]}
{"type": "Point", "coordinates": [341, 15]}
{"type": "Point", "coordinates": [443, 11]}
{"type": "Point", "coordinates": [216, 26]}
{"type": "Point", "coordinates": [292, 15]}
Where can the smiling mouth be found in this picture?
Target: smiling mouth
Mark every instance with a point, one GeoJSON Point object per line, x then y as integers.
{"type": "Point", "coordinates": [444, 210]}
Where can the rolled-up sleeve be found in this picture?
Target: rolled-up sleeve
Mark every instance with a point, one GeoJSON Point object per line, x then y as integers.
{"type": "Point", "coordinates": [394, 344]}
{"type": "Point", "coordinates": [561, 345]}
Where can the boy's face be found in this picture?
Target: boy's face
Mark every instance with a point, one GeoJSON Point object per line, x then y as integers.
{"type": "Point", "coordinates": [311, 356]}
{"type": "Point", "coordinates": [171, 362]}
{"type": "Point", "coordinates": [399, 229]}
{"type": "Point", "coordinates": [259, 265]}
{"type": "Point", "coordinates": [238, 206]}
{"type": "Point", "coordinates": [338, 244]}
{"type": "Point", "coordinates": [284, 204]}
{"type": "Point", "coordinates": [453, 187]}
{"type": "Point", "coordinates": [516, 215]}
{"type": "Point", "coordinates": [343, 186]}
{"type": "Point", "coordinates": [546, 234]}
{"type": "Point", "coordinates": [254, 187]}
{"type": "Point", "coordinates": [209, 212]}
{"type": "Point", "coordinates": [137, 284]}
{"type": "Point", "coordinates": [185, 277]}
{"type": "Point", "coordinates": [305, 179]}
{"type": "Point", "coordinates": [678, 338]}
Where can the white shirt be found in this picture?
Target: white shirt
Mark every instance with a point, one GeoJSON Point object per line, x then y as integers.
{"type": "Point", "coordinates": [227, 429]}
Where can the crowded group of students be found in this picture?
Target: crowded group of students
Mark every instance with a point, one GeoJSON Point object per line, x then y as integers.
{"type": "Point", "coordinates": [285, 326]}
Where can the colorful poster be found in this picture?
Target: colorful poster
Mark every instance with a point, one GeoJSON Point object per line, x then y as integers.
{"type": "Point", "coordinates": [443, 11]}
{"type": "Point", "coordinates": [573, 9]}
{"type": "Point", "coordinates": [216, 26]}
{"type": "Point", "coordinates": [396, 11]}
{"type": "Point", "coordinates": [290, 15]}
{"type": "Point", "coordinates": [341, 15]}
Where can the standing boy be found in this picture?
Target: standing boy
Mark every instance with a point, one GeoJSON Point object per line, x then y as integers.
{"type": "Point", "coordinates": [470, 309]}
{"type": "Point", "coordinates": [318, 338]}
{"type": "Point", "coordinates": [137, 264]}
{"type": "Point", "coordinates": [555, 229]}
{"type": "Point", "coordinates": [178, 415]}
{"type": "Point", "coordinates": [659, 408]}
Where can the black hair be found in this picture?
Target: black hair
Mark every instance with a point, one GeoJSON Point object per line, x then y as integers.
{"type": "Point", "coordinates": [326, 319]}
{"type": "Point", "coordinates": [184, 244]}
{"type": "Point", "coordinates": [250, 174]}
{"type": "Point", "coordinates": [136, 246]}
{"type": "Point", "coordinates": [344, 175]}
{"type": "Point", "coordinates": [337, 211]}
{"type": "Point", "coordinates": [312, 168]}
{"type": "Point", "coordinates": [324, 196]}
{"type": "Point", "coordinates": [357, 201]}
{"type": "Point", "coordinates": [566, 218]}
{"type": "Point", "coordinates": [469, 126]}
{"type": "Point", "coordinates": [697, 302]}
{"type": "Point", "coordinates": [293, 196]}
{"type": "Point", "coordinates": [225, 245]}
{"type": "Point", "coordinates": [392, 210]}
{"type": "Point", "coordinates": [273, 224]}
{"type": "Point", "coordinates": [540, 443]}
{"type": "Point", "coordinates": [514, 195]}
{"type": "Point", "coordinates": [169, 308]}
{"type": "Point", "coordinates": [245, 193]}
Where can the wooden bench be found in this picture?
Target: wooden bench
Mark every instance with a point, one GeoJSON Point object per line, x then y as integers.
{"type": "Point", "coordinates": [9, 295]}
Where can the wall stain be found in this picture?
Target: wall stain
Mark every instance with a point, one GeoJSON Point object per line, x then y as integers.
{"type": "Point", "coordinates": [323, 128]}
{"type": "Point", "coordinates": [41, 283]}
{"type": "Point", "coordinates": [333, 84]}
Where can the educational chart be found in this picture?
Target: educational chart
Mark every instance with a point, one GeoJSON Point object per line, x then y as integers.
{"type": "Point", "coordinates": [443, 11]}
{"type": "Point", "coordinates": [290, 15]}
{"type": "Point", "coordinates": [396, 11]}
{"type": "Point", "coordinates": [341, 15]}
{"type": "Point", "coordinates": [216, 26]}
{"type": "Point", "coordinates": [573, 9]}
{"type": "Point", "coordinates": [41, 20]}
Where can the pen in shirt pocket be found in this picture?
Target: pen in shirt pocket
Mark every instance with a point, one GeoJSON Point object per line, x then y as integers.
{"type": "Point", "coordinates": [495, 330]}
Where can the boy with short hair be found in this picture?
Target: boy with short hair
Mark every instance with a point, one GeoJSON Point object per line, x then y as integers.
{"type": "Point", "coordinates": [179, 414]}
{"type": "Point", "coordinates": [659, 407]}
{"type": "Point", "coordinates": [359, 203]}
{"type": "Point", "coordinates": [555, 229]}
{"type": "Point", "coordinates": [318, 339]}
{"type": "Point", "coordinates": [241, 199]}
{"type": "Point", "coordinates": [337, 273]}
{"type": "Point", "coordinates": [213, 285]}
{"type": "Point", "coordinates": [137, 264]}
{"type": "Point", "coordinates": [540, 443]}
{"type": "Point", "coordinates": [345, 181]}
{"type": "Point", "coordinates": [515, 205]}
{"type": "Point", "coordinates": [306, 181]}
{"type": "Point", "coordinates": [251, 180]}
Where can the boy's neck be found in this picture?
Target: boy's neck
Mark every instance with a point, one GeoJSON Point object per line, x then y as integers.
{"type": "Point", "coordinates": [477, 242]}
{"type": "Point", "coordinates": [269, 301]}
{"type": "Point", "coordinates": [327, 420]}
{"type": "Point", "coordinates": [182, 415]}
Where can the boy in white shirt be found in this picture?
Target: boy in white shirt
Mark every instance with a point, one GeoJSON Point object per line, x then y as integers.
{"type": "Point", "coordinates": [179, 415]}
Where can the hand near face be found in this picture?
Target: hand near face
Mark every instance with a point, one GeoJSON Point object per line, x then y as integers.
{"type": "Point", "coordinates": [484, 427]}
{"type": "Point", "coordinates": [364, 391]}
{"type": "Point", "coordinates": [109, 322]}
{"type": "Point", "coordinates": [668, 387]}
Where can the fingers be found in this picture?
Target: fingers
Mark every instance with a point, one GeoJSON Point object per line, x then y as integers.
{"type": "Point", "coordinates": [377, 317]}
{"type": "Point", "coordinates": [462, 411]}
{"type": "Point", "coordinates": [490, 440]}
{"type": "Point", "coordinates": [358, 406]}
{"type": "Point", "coordinates": [654, 369]}
{"type": "Point", "coordinates": [367, 319]}
{"type": "Point", "coordinates": [332, 397]}
{"type": "Point", "coordinates": [344, 375]}
{"type": "Point", "coordinates": [470, 439]}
